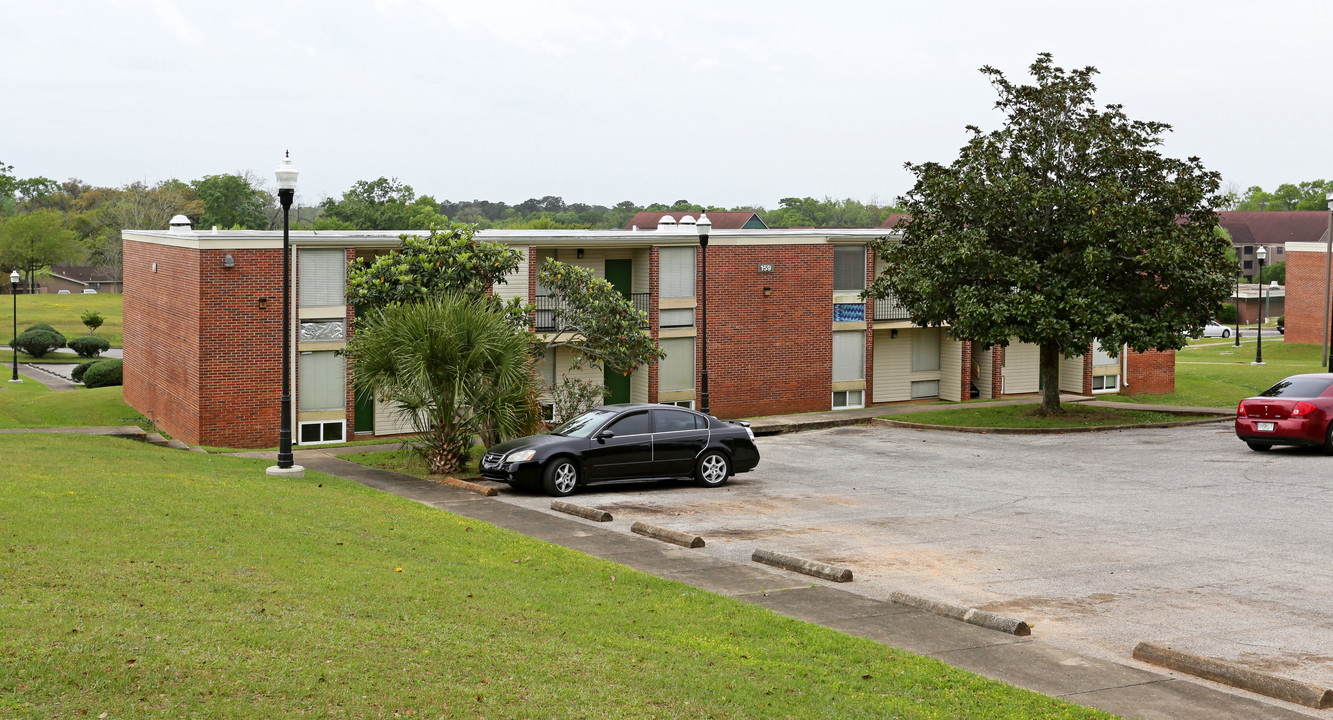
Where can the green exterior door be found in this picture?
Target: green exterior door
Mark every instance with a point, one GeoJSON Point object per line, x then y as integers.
{"type": "Point", "coordinates": [363, 408]}
{"type": "Point", "coordinates": [620, 273]}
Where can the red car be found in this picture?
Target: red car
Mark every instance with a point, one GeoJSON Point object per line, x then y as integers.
{"type": "Point", "coordinates": [1295, 411]}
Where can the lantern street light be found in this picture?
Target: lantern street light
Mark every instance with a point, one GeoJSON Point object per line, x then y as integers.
{"type": "Point", "coordinates": [1261, 253]}
{"type": "Point", "coordinates": [704, 226]}
{"type": "Point", "coordinates": [286, 174]}
{"type": "Point", "coordinates": [14, 290]}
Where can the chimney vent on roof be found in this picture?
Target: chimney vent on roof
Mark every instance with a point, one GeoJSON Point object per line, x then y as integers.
{"type": "Point", "coordinates": [687, 223]}
{"type": "Point", "coordinates": [666, 223]}
{"type": "Point", "coordinates": [181, 224]}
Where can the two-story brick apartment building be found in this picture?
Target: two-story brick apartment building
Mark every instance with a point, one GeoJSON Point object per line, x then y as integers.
{"type": "Point", "coordinates": [787, 329]}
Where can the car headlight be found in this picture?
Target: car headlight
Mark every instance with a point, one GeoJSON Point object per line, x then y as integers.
{"type": "Point", "coordinates": [519, 456]}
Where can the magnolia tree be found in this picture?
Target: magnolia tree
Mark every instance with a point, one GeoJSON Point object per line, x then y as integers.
{"type": "Point", "coordinates": [599, 324]}
{"type": "Point", "coordinates": [1063, 228]}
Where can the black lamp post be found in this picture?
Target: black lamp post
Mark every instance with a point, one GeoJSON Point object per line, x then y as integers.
{"type": "Point", "coordinates": [286, 192]}
{"type": "Point", "coordinates": [1236, 303]}
{"type": "Point", "coordinates": [1260, 253]}
{"type": "Point", "coordinates": [704, 226]}
{"type": "Point", "coordinates": [14, 290]}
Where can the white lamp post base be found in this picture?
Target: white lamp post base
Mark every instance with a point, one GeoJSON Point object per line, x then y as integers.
{"type": "Point", "coordinates": [295, 471]}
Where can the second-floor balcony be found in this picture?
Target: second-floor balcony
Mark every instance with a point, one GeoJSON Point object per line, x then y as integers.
{"type": "Point", "coordinates": [890, 309]}
{"type": "Point", "coordinates": [550, 307]}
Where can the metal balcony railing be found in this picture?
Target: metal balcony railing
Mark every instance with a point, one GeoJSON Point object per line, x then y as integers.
{"type": "Point", "coordinates": [549, 309]}
{"type": "Point", "coordinates": [889, 309]}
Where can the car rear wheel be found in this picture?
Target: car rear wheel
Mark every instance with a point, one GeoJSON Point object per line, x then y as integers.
{"type": "Point", "coordinates": [1328, 439]}
{"type": "Point", "coordinates": [1259, 447]}
{"type": "Point", "coordinates": [712, 469]}
{"type": "Point", "coordinates": [560, 477]}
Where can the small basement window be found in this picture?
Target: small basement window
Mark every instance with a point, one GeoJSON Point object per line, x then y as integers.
{"type": "Point", "coordinates": [1105, 383]}
{"type": "Point", "coordinates": [845, 399]}
{"type": "Point", "coordinates": [325, 431]}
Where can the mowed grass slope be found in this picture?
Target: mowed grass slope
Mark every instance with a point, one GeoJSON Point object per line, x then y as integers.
{"type": "Point", "coordinates": [31, 404]}
{"type": "Point", "coordinates": [1215, 373]}
{"type": "Point", "coordinates": [142, 582]}
{"type": "Point", "coordinates": [62, 312]}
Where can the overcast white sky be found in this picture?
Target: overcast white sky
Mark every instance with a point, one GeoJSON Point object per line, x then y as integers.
{"type": "Point", "coordinates": [716, 102]}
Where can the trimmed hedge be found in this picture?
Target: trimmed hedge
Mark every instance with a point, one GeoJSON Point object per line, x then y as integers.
{"type": "Point", "coordinates": [80, 369]}
{"type": "Point", "coordinates": [89, 346]}
{"type": "Point", "coordinates": [38, 341]}
{"type": "Point", "coordinates": [103, 373]}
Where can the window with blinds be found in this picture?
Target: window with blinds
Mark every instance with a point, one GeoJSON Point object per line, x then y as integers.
{"type": "Point", "coordinates": [675, 272]}
{"type": "Point", "coordinates": [681, 317]}
{"type": "Point", "coordinates": [542, 257]}
{"type": "Point", "coordinates": [849, 268]}
{"type": "Point", "coordinates": [926, 349]}
{"type": "Point", "coordinates": [323, 277]}
{"type": "Point", "coordinates": [321, 382]}
{"type": "Point", "coordinates": [1101, 357]}
{"type": "Point", "coordinates": [849, 355]}
{"type": "Point", "coordinates": [676, 371]}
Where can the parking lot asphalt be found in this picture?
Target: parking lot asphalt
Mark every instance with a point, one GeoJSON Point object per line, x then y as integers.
{"type": "Point", "coordinates": [1181, 536]}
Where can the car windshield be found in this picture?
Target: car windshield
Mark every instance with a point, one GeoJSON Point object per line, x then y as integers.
{"type": "Point", "coordinates": [1298, 387]}
{"type": "Point", "coordinates": [583, 425]}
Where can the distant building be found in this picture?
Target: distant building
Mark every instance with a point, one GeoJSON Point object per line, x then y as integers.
{"type": "Point", "coordinates": [78, 279]}
{"type": "Point", "coordinates": [1272, 229]}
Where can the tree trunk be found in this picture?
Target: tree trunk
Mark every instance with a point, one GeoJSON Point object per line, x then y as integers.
{"type": "Point", "coordinates": [1049, 371]}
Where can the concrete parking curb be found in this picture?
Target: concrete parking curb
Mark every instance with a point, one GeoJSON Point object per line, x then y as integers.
{"type": "Point", "coordinates": [1236, 676]}
{"type": "Point", "coordinates": [1045, 431]}
{"type": "Point", "coordinates": [971, 616]}
{"type": "Point", "coordinates": [801, 565]}
{"type": "Point", "coordinates": [470, 487]}
{"type": "Point", "coordinates": [675, 537]}
{"type": "Point", "coordinates": [584, 512]}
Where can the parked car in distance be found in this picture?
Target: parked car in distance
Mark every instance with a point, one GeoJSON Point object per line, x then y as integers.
{"type": "Point", "coordinates": [89, 291]}
{"type": "Point", "coordinates": [1295, 411]}
{"type": "Point", "coordinates": [62, 292]}
{"type": "Point", "coordinates": [1214, 330]}
{"type": "Point", "coordinates": [618, 443]}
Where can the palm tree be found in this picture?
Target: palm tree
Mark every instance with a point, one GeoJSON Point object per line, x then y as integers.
{"type": "Point", "coordinates": [454, 367]}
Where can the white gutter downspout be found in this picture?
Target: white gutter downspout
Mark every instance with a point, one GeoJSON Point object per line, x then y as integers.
{"type": "Point", "coordinates": [1124, 367]}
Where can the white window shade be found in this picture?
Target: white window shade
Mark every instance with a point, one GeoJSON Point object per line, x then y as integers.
{"type": "Point", "coordinates": [675, 372]}
{"type": "Point", "coordinates": [849, 355]}
{"type": "Point", "coordinates": [1100, 356]}
{"type": "Point", "coordinates": [682, 317]}
{"type": "Point", "coordinates": [675, 273]}
{"type": "Point", "coordinates": [323, 277]}
{"type": "Point", "coordinates": [926, 349]}
{"type": "Point", "coordinates": [321, 381]}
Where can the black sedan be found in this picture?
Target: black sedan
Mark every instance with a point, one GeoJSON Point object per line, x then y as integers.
{"type": "Point", "coordinates": [625, 442]}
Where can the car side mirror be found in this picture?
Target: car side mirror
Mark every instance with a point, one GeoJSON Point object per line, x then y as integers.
{"type": "Point", "coordinates": [605, 435]}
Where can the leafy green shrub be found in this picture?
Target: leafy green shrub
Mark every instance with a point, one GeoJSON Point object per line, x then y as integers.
{"type": "Point", "coordinates": [43, 326]}
{"type": "Point", "coordinates": [37, 341]}
{"type": "Point", "coordinates": [1282, 320]}
{"type": "Point", "coordinates": [80, 369]}
{"type": "Point", "coordinates": [92, 319]}
{"type": "Point", "coordinates": [103, 373]}
{"type": "Point", "coordinates": [1227, 315]}
{"type": "Point", "coordinates": [89, 346]}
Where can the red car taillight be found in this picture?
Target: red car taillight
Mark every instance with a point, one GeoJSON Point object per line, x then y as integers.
{"type": "Point", "coordinates": [1303, 408]}
{"type": "Point", "coordinates": [1240, 409]}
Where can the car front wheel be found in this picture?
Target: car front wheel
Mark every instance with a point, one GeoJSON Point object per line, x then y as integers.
{"type": "Point", "coordinates": [1226, 333]}
{"type": "Point", "coordinates": [712, 469]}
{"type": "Point", "coordinates": [560, 477]}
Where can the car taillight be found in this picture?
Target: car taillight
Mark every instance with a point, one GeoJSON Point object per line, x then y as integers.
{"type": "Point", "coordinates": [1240, 409]}
{"type": "Point", "coordinates": [1303, 408]}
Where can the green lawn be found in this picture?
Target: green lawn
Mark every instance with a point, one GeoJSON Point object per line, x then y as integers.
{"type": "Point", "coordinates": [141, 582]}
{"type": "Point", "coordinates": [403, 460]}
{"type": "Point", "coordinates": [62, 313]}
{"type": "Point", "coordinates": [1023, 416]}
{"type": "Point", "coordinates": [1216, 373]}
{"type": "Point", "coordinates": [32, 404]}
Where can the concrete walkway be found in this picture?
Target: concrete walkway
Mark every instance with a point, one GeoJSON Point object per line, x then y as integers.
{"type": "Point", "coordinates": [49, 379]}
{"type": "Point", "coordinates": [1122, 689]}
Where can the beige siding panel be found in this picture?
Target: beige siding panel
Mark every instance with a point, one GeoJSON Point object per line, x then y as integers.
{"type": "Point", "coordinates": [951, 369]}
{"type": "Point", "coordinates": [516, 283]}
{"type": "Point", "coordinates": [981, 370]}
{"type": "Point", "coordinates": [1071, 374]}
{"type": "Point", "coordinates": [593, 258]}
{"type": "Point", "coordinates": [388, 421]}
{"type": "Point", "coordinates": [563, 360]}
{"type": "Point", "coordinates": [638, 385]}
{"type": "Point", "coordinates": [639, 282]}
{"type": "Point", "coordinates": [1021, 361]}
{"type": "Point", "coordinates": [892, 362]}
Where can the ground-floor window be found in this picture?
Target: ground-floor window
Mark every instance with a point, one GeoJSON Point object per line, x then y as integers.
{"type": "Point", "coordinates": [925, 389]}
{"type": "Point", "coordinates": [324, 431]}
{"type": "Point", "coordinates": [1105, 383]}
{"type": "Point", "coordinates": [675, 372]}
{"type": "Point", "coordinates": [843, 399]}
{"type": "Point", "coordinates": [321, 381]}
{"type": "Point", "coordinates": [680, 403]}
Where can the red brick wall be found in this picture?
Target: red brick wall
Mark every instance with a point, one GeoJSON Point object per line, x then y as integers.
{"type": "Point", "coordinates": [1307, 273]}
{"type": "Point", "coordinates": [241, 348]}
{"type": "Point", "coordinates": [769, 355]}
{"type": "Point", "coordinates": [1151, 373]}
{"type": "Point", "coordinates": [161, 339]}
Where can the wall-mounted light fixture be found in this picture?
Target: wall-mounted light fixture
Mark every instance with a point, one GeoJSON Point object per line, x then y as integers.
{"type": "Point", "coordinates": [228, 261]}
{"type": "Point", "coordinates": [893, 334]}
{"type": "Point", "coordinates": [263, 303]}
{"type": "Point", "coordinates": [768, 292]}
{"type": "Point", "coordinates": [579, 253]}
